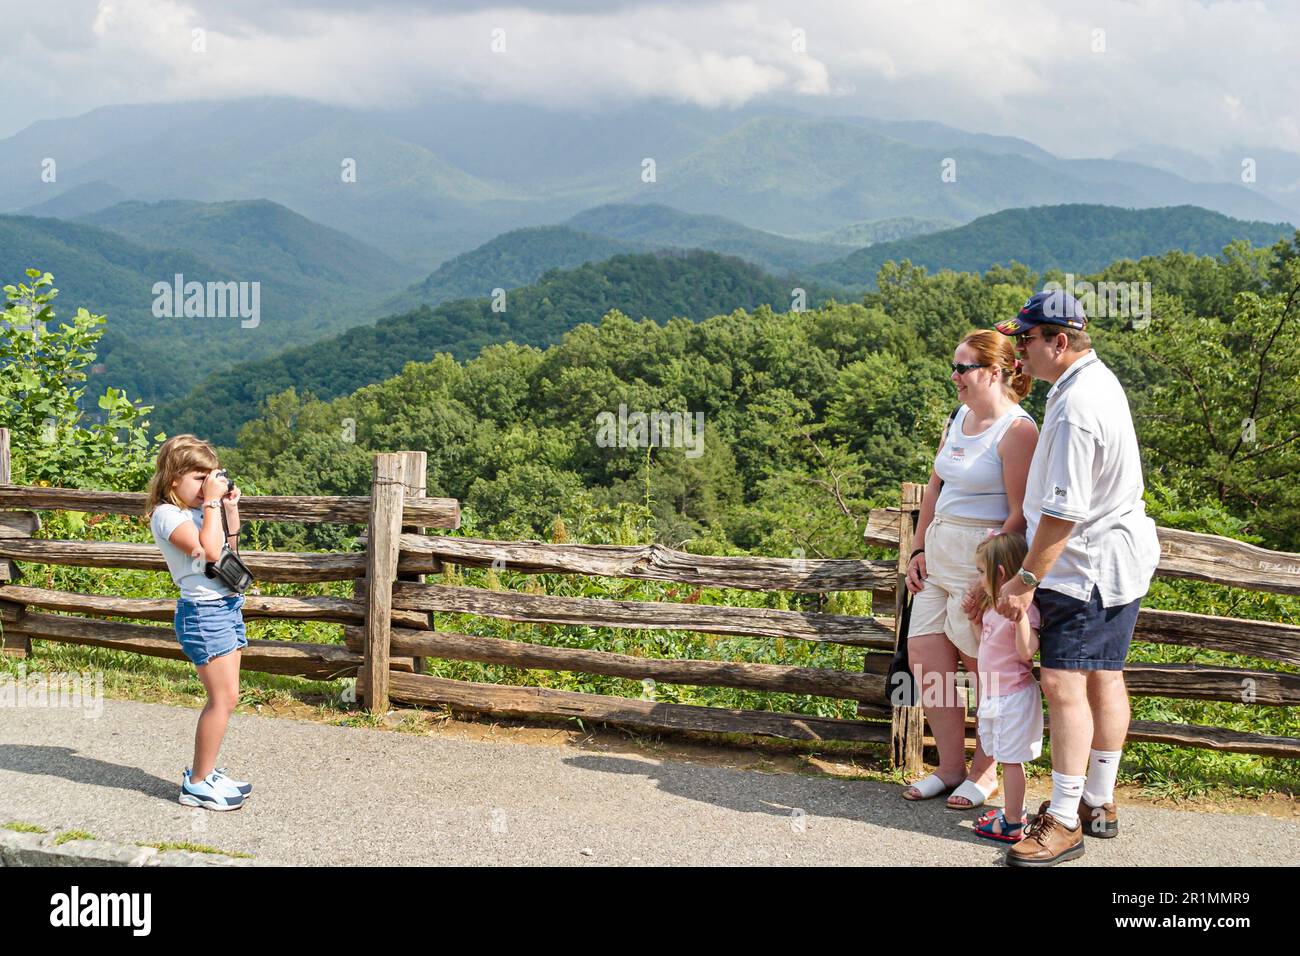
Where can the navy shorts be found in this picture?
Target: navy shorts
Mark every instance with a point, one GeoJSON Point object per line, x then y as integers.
{"type": "Point", "coordinates": [1079, 635]}
{"type": "Point", "coordinates": [208, 629]}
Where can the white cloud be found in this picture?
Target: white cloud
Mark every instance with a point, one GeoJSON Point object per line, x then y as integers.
{"type": "Point", "coordinates": [1199, 75]}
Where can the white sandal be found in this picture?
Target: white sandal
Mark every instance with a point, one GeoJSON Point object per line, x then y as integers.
{"type": "Point", "coordinates": [927, 787]}
{"type": "Point", "coordinates": [973, 792]}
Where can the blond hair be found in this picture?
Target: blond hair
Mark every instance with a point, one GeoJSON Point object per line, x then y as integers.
{"type": "Point", "coordinates": [1005, 549]}
{"type": "Point", "coordinates": [177, 456]}
{"type": "Point", "coordinates": [999, 352]}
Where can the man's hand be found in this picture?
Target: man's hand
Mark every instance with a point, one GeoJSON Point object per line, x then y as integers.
{"type": "Point", "coordinates": [1014, 598]}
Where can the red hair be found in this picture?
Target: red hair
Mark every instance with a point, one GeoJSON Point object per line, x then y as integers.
{"type": "Point", "coordinates": [996, 351]}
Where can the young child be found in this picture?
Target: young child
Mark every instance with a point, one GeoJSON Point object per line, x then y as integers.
{"type": "Point", "coordinates": [1011, 704]}
{"type": "Point", "coordinates": [184, 494]}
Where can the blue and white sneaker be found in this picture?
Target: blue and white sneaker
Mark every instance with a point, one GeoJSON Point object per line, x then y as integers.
{"type": "Point", "coordinates": [243, 786]}
{"type": "Point", "coordinates": [210, 793]}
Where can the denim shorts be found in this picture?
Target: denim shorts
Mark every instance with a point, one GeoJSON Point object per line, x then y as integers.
{"type": "Point", "coordinates": [1079, 635]}
{"type": "Point", "coordinates": [211, 628]}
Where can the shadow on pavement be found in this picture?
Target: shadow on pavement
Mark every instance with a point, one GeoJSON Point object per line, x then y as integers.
{"type": "Point", "coordinates": [784, 794]}
{"type": "Point", "coordinates": [65, 762]}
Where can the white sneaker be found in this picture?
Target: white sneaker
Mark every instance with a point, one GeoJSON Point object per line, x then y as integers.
{"type": "Point", "coordinates": [210, 793]}
{"type": "Point", "coordinates": [243, 786]}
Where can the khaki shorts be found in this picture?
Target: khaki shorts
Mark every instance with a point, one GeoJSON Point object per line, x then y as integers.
{"type": "Point", "coordinates": [950, 567]}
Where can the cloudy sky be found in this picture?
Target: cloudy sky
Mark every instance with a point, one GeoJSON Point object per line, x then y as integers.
{"type": "Point", "coordinates": [1080, 79]}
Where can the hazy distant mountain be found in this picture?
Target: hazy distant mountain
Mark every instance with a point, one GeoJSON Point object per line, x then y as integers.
{"type": "Point", "coordinates": [1275, 172]}
{"type": "Point", "coordinates": [110, 275]}
{"type": "Point", "coordinates": [658, 225]}
{"type": "Point", "coordinates": [522, 255]}
{"type": "Point", "coordinates": [253, 237]}
{"type": "Point", "coordinates": [78, 201]}
{"type": "Point", "coordinates": [862, 234]}
{"type": "Point", "coordinates": [1075, 238]}
{"type": "Point", "coordinates": [405, 200]}
{"type": "Point", "coordinates": [510, 260]}
{"type": "Point", "coordinates": [794, 175]}
{"type": "Point", "coordinates": [311, 282]}
{"type": "Point", "coordinates": [657, 285]}
{"type": "Point", "coordinates": [443, 179]}
{"type": "Point", "coordinates": [934, 135]}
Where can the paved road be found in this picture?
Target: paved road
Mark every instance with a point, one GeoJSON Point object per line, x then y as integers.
{"type": "Point", "coordinates": [338, 795]}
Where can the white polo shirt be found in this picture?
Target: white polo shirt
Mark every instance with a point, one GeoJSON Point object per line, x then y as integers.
{"type": "Point", "coordinates": [1086, 469]}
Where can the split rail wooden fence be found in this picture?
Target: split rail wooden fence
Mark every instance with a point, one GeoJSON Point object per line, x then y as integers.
{"type": "Point", "coordinates": [388, 624]}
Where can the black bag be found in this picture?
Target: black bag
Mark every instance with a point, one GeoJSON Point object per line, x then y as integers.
{"type": "Point", "coordinates": [900, 685]}
{"type": "Point", "coordinates": [228, 568]}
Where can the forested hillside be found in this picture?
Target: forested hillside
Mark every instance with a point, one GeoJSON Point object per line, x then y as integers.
{"type": "Point", "coordinates": [1079, 237]}
{"type": "Point", "coordinates": [658, 225]}
{"type": "Point", "coordinates": [312, 281]}
{"type": "Point", "coordinates": [510, 260]}
{"type": "Point", "coordinates": [811, 417]}
{"type": "Point", "coordinates": [657, 286]}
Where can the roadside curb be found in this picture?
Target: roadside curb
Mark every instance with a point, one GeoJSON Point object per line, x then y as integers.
{"type": "Point", "coordinates": [39, 849]}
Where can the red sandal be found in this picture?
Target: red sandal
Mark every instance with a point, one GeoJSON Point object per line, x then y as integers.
{"type": "Point", "coordinates": [1011, 832]}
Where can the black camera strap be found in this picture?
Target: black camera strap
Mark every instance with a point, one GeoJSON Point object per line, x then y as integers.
{"type": "Point", "coordinates": [226, 532]}
{"type": "Point", "coordinates": [229, 568]}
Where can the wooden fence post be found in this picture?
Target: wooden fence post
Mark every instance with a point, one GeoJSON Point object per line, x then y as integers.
{"type": "Point", "coordinates": [382, 545]}
{"type": "Point", "coordinates": [416, 482]}
{"type": "Point", "coordinates": [11, 645]}
{"type": "Point", "coordinates": [907, 723]}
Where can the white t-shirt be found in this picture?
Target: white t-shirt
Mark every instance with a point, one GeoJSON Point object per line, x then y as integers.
{"type": "Point", "coordinates": [1086, 469]}
{"type": "Point", "coordinates": [971, 469]}
{"type": "Point", "coordinates": [186, 571]}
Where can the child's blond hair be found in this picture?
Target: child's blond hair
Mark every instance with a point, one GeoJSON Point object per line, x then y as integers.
{"type": "Point", "coordinates": [178, 456]}
{"type": "Point", "coordinates": [1005, 549]}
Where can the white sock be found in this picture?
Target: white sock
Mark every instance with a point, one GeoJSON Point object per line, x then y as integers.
{"type": "Point", "coordinates": [1066, 791]}
{"type": "Point", "coordinates": [1103, 768]}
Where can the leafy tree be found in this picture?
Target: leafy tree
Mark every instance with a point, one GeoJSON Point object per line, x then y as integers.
{"type": "Point", "coordinates": [1223, 416]}
{"type": "Point", "coordinates": [53, 442]}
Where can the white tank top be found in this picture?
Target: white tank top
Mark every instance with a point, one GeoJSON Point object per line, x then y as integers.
{"type": "Point", "coordinates": [971, 469]}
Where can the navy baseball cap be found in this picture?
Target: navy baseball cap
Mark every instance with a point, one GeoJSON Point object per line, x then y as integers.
{"type": "Point", "coordinates": [1054, 307]}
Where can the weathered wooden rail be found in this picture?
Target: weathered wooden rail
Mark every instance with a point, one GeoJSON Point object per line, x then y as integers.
{"type": "Point", "coordinates": [1183, 554]}
{"type": "Point", "coordinates": [388, 628]}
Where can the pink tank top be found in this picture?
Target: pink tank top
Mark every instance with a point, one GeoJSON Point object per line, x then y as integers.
{"type": "Point", "coordinates": [1000, 668]}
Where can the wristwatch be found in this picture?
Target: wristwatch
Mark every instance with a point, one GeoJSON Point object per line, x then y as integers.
{"type": "Point", "coordinates": [214, 503]}
{"type": "Point", "coordinates": [1029, 578]}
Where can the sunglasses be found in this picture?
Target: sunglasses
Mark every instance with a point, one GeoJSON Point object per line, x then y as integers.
{"type": "Point", "coordinates": [962, 368]}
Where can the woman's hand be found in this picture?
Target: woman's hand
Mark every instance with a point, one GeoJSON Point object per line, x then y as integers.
{"type": "Point", "coordinates": [916, 573]}
{"type": "Point", "coordinates": [231, 498]}
{"type": "Point", "coordinates": [970, 603]}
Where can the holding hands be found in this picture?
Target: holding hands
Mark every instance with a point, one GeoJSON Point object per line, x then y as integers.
{"type": "Point", "coordinates": [1014, 598]}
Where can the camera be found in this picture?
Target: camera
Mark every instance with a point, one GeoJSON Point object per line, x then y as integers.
{"type": "Point", "coordinates": [230, 482]}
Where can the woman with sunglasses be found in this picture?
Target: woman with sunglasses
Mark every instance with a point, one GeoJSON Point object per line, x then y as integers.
{"type": "Point", "coordinates": [977, 487]}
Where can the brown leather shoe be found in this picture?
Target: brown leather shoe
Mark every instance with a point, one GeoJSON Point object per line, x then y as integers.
{"type": "Point", "coordinates": [1047, 841]}
{"type": "Point", "coordinates": [1102, 821]}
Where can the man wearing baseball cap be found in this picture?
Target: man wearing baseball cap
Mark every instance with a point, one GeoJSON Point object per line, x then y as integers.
{"type": "Point", "coordinates": [1092, 552]}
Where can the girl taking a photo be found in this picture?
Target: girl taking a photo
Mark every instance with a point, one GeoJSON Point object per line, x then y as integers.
{"type": "Point", "coordinates": [185, 502]}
